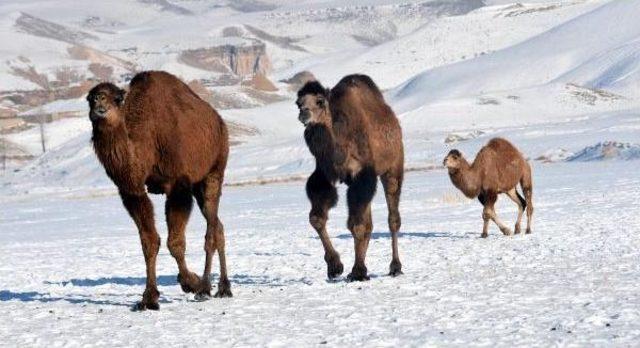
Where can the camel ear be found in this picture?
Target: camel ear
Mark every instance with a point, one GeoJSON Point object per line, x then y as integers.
{"type": "Point", "coordinates": [119, 98]}
{"type": "Point", "coordinates": [91, 95]}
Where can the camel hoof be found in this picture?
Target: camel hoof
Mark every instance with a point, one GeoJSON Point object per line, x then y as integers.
{"type": "Point", "coordinates": [223, 293]}
{"type": "Point", "coordinates": [142, 306]}
{"type": "Point", "coordinates": [395, 269]}
{"type": "Point", "coordinates": [224, 289]}
{"type": "Point", "coordinates": [202, 296]}
{"type": "Point", "coordinates": [528, 231]}
{"type": "Point", "coordinates": [516, 230]}
{"type": "Point", "coordinates": [395, 273]}
{"type": "Point", "coordinates": [189, 283]}
{"type": "Point", "coordinates": [357, 278]}
{"type": "Point", "coordinates": [149, 300]}
{"type": "Point", "coordinates": [506, 231]}
{"type": "Point", "coordinates": [358, 274]}
{"type": "Point", "coordinates": [334, 267]}
{"type": "Point", "coordinates": [484, 235]}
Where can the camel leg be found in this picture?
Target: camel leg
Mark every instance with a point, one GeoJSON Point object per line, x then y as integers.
{"type": "Point", "coordinates": [323, 196]}
{"type": "Point", "coordinates": [359, 196]}
{"type": "Point", "coordinates": [490, 213]}
{"type": "Point", "coordinates": [528, 197]}
{"type": "Point", "coordinates": [177, 211]}
{"type": "Point", "coordinates": [208, 198]}
{"type": "Point", "coordinates": [141, 210]}
{"type": "Point", "coordinates": [517, 199]}
{"type": "Point", "coordinates": [392, 185]}
{"type": "Point", "coordinates": [482, 197]}
{"type": "Point", "coordinates": [527, 188]}
{"type": "Point", "coordinates": [486, 216]}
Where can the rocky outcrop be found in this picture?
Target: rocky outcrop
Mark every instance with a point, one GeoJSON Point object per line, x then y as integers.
{"type": "Point", "coordinates": [165, 5]}
{"type": "Point", "coordinates": [37, 97]}
{"type": "Point", "coordinates": [29, 24]}
{"type": "Point", "coordinates": [241, 60]}
{"type": "Point", "coordinates": [232, 32]}
{"type": "Point", "coordinates": [81, 52]}
{"type": "Point", "coordinates": [261, 83]}
{"type": "Point", "coordinates": [251, 6]}
{"type": "Point", "coordinates": [607, 150]}
{"type": "Point", "coordinates": [282, 41]}
{"type": "Point", "coordinates": [299, 79]}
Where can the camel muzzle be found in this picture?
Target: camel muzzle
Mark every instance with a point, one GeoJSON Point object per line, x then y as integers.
{"type": "Point", "coordinates": [304, 117]}
{"type": "Point", "coordinates": [97, 114]}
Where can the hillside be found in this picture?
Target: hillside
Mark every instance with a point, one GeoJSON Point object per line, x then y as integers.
{"type": "Point", "coordinates": [447, 67]}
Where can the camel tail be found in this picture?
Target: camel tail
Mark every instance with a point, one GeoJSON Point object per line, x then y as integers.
{"type": "Point", "coordinates": [526, 182]}
{"type": "Point", "coordinates": [522, 200]}
{"type": "Point", "coordinates": [527, 188]}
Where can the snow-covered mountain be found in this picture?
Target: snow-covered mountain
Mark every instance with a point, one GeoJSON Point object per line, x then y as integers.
{"type": "Point", "coordinates": [470, 66]}
{"type": "Point", "coordinates": [129, 35]}
{"type": "Point", "coordinates": [575, 52]}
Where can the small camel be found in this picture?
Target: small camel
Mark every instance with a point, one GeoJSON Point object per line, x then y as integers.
{"type": "Point", "coordinates": [355, 138]}
{"type": "Point", "coordinates": [498, 168]}
{"type": "Point", "coordinates": [162, 136]}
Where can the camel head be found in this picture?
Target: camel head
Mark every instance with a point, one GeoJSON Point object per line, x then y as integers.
{"type": "Point", "coordinates": [313, 103]}
{"type": "Point", "coordinates": [454, 160]}
{"type": "Point", "coordinates": [105, 101]}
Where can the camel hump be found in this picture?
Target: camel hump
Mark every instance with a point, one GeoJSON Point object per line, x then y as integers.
{"type": "Point", "coordinates": [145, 78]}
{"type": "Point", "coordinates": [501, 144]}
{"type": "Point", "coordinates": [145, 81]}
{"type": "Point", "coordinates": [497, 149]}
{"type": "Point", "coordinates": [359, 81]}
{"type": "Point", "coordinates": [140, 79]}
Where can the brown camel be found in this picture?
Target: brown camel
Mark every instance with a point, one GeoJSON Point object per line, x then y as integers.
{"type": "Point", "coordinates": [498, 168]}
{"type": "Point", "coordinates": [355, 137]}
{"type": "Point", "coordinates": [163, 136]}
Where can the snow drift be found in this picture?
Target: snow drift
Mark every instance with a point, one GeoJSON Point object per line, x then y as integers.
{"type": "Point", "coordinates": [608, 150]}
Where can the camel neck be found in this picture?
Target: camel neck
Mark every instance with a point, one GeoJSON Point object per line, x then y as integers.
{"type": "Point", "coordinates": [466, 179]}
{"type": "Point", "coordinates": [321, 142]}
{"type": "Point", "coordinates": [114, 150]}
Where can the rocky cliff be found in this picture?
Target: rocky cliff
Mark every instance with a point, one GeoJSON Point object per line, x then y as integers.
{"type": "Point", "coordinates": [241, 60]}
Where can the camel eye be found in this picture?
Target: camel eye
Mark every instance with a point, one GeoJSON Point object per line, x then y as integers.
{"type": "Point", "coordinates": [320, 103]}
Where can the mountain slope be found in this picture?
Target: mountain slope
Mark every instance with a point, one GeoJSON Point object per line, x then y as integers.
{"type": "Point", "coordinates": [565, 53]}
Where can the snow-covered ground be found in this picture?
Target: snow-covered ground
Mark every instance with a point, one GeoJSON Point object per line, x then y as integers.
{"type": "Point", "coordinates": [557, 78]}
{"type": "Point", "coordinates": [72, 267]}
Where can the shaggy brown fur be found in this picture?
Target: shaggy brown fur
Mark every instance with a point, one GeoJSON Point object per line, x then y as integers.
{"type": "Point", "coordinates": [355, 137]}
{"type": "Point", "coordinates": [498, 168]}
{"type": "Point", "coordinates": [162, 136]}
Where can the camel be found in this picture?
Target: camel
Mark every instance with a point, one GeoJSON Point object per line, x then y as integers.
{"type": "Point", "coordinates": [162, 136]}
{"type": "Point", "coordinates": [498, 168]}
{"type": "Point", "coordinates": [355, 138]}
